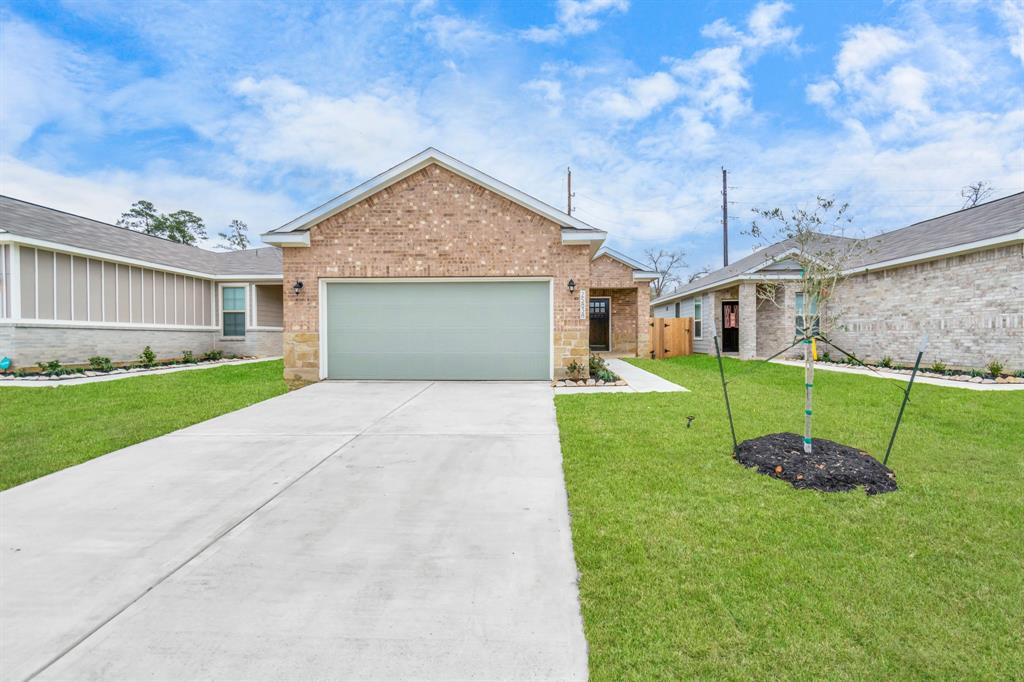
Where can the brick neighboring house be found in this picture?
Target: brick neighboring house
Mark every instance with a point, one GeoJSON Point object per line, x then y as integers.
{"type": "Point", "coordinates": [958, 277]}
{"type": "Point", "coordinates": [434, 270]}
{"type": "Point", "coordinates": [72, 288]}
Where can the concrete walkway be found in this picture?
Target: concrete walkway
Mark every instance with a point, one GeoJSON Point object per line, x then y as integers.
{"type": "Point", "coordinates": [638, 380]}
{"type": "Point", "coordinates": [921, 379]}
{"type": "Point", "coordinates": [344, 531]}
{"type": "Point", "coordinates": [78, 380]}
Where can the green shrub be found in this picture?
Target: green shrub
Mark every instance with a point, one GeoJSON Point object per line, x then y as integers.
{"type": "Point", "coordinates": [826, 357]}
{"type": "Point", "coordinates": [606, 375]}
{"type": "Point", "coordinates": [213, 355]}
{"type": "Point", "coordinates": [98, 363]}
{"type": "Point", "coordinates": [938, 367]}
{"type": "Point", "coordinates": [188, 357]}
{"type": "Point", "coordinates": [1019, 374]}
{"type": "Point", "coordinates": [576, 370]}
{"type": "Point", "coordinates": [53, 368]}
{"type": "Point", "coordinates": [994, 367]}
{"type": "Point", "coordinates": [886, 362]}
{"type": "Point", "coordinates": [148, 357]}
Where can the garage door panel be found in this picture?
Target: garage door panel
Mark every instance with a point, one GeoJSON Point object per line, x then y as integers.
{"type": "Point", "coordinates": [438, 330]}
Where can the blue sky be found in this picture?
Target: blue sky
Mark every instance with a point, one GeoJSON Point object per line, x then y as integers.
{"type": "Point", "coordinates": [263, 111]}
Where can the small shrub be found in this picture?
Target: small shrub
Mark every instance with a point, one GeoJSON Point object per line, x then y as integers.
{"type": "Point", "coordinates": [148, 357]}
{"type": "Point", "coordinates": [98, 363]}
{"type": "Point", "coordinates": [187, 357]}
{"type": "Point", "coordinates": [994, 367]}
{"type": "Point", "coordinates": [885, 362]}
{"type": "Point", "coordinates": [938, 367]}
{"type": "Point", "coordinates": [576, 370]}
{"type": "Point", "coordinates": [826, 356]}
{"type": "Point", "coordinates": [53, 368]}
{"type": "Point", "coordinates": [213, 355]}
{"type": "Point", "coordinates": [1019, 374]}
{"type": "Point", "coordinates": [606, 375]}
{"type": "Point", "coordinates": [976, 373]}
{"type": "Point", "coordinates": [597, 363]}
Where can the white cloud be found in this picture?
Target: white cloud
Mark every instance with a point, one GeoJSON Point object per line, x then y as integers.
{"type": "Point", "coordinates": [640, 98]}
{"type": "Point", "coordinates": [574, 18]}
{"type": "Point", "coordinates": [867, 47]}
{"type": "Point", "coordinates": [105, 195]}
{"type": "Point", "coordinates": [458, 34]}
{"type": "Point", "coordinates": [287, 124]}
{"type": "Point", "coordinates": [1012, 14]}
{"type": "Point", "coordinates": [764, 29]}
{"type": "Point", "coordinates": [550, 90]}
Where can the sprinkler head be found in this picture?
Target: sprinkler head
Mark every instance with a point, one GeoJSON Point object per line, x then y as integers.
{"type": "Point", "coordinates": [689, 420]}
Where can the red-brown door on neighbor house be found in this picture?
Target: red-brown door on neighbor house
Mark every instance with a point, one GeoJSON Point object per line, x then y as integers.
{"type": "Point", "coordinates": [600, 319]}
{"type": "Point", "coordinates": [731, 327]}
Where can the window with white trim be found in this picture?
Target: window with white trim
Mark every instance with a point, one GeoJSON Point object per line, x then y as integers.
{"type": "Point", "coordinates": [233, 311]}
{"type": "Point", "coordinates": [813, 312]}
{"type": "Point", "coordinates": [698, 318]}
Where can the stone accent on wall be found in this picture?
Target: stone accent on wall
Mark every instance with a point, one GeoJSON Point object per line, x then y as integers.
{"type": "Point", "coordinates": [971, 306]}
{"type": "Point", "coordinates": [624, 319]}
{"type": "Point", "coordinates": [434, 223]}
{"type": "Point", "coordinates": [748, 320]}
{"type": "Point", "coordinates": [27, 345]}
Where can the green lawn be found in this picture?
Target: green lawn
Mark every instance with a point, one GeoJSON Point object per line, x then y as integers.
{"type": "Point", "coordinates": [695, 567]}
{"type": "Point", "coordinates": [43, 430]}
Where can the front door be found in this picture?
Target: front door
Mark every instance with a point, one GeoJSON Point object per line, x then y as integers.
{"type": "Point", "coordinates": [731, 327]}
{"type": "Point", "coordinates": [600, 321]}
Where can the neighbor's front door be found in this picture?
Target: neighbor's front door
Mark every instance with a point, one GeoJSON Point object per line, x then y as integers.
{"type": "Point", "coordinates": [731, 327]}
{"type": "Point", "coordinates": [600, 321]}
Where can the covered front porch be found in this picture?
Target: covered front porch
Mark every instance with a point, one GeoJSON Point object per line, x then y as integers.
{"type": "Point", "coordinates": [752, 324]}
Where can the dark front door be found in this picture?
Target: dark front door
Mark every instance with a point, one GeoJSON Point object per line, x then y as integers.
{"type": "Point", "coordinates": [600, 317]}
{"type": "Point", "coordinates": [731, 327]}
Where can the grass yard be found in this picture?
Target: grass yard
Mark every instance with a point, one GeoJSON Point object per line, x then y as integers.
{"type": "Point", "coordinates": [695, 567]}
{"type": "Point", "coordinates": [43, 430]}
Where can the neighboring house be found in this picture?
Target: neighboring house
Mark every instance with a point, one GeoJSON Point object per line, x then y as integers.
{"type": "Point", "coordinates": [434, 270]}
{"type": "Point", "coordinates": [959, 278]}
{"type": "Point", "coordinates": [71, 288]}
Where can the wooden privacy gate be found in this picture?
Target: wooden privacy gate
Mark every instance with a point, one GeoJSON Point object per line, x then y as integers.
{"type": "Point", "coordinates": [670, 336]}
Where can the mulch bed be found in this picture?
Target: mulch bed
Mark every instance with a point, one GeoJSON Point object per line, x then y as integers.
{"type": "Point", "coordinates": [831, 467]}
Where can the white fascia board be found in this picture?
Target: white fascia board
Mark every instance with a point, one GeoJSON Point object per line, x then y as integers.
{"type": "Point", "coordinates": [640, 275]}
{"type": "Point", "coordinates": [621, 257]}
{"type": "Point", "coordinates": [722, 284]}
{"type": "Point", "coordinates": [571, 236]}
{"type": "Point", "coordinates": [286, 239]}
{"type": "Point", "coordinates": [412, 165]}
{"type": "Point", "coordinates": [979, 245]}
{"type": "Point", "coordinates": [273, 279]}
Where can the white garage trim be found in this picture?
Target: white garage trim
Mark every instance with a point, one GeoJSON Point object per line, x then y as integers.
{"type": "Point", "coordinates": [322, 309]}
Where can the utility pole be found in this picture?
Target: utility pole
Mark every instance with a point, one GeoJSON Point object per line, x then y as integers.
{"type": "Point", "coordinates": [569, 194]}
{"type": "Point", "coordinates": [725, 217]}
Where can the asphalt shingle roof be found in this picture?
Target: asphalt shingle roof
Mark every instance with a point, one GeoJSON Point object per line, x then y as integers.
{"type": "Point", "coordinates": [39, 222]}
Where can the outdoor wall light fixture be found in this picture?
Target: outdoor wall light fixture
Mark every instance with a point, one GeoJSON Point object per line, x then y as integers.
{"type": "Point", "coordinates": [572, 286]}
{"type": "Point", "coordinates": [297, 287]}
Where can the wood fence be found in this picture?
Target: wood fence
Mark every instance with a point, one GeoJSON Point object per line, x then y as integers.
{"type": "Point", "coordinates": [670, 336]}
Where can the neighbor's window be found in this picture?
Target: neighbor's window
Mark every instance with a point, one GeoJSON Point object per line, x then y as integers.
{"type": "Point", "coordinates": [800, 315]}
{"type": "Point", "coordinates": [677, 308]}
{"type": "Point", "coordinates": [698, 318]}
{"type": "Point", "coordinates": [233, 310]}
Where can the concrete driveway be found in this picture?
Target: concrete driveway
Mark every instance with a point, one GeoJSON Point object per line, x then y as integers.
{"type": "Point", "coordinates": [407, 530]}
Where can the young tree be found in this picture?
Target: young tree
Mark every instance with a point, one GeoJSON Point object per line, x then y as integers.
{"type": "Point", "coordinates": [820, 247]}
{"type": "Point", "coordinates": [184, 227]}
{"type": "Point", "coordinates": [976, 193]}
{"type": "Point", "coordinates": [667, 264]}
{"type": "Point", "coordinates": [236, 238]}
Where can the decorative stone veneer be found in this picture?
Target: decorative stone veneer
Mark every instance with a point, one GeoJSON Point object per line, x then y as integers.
{"type": "Point", "coordinates": [28, 344]}
{"type": "Point", "coordinates": [776, 322]}
{"type": "Point", "coordinates": [748, 320]}
{"type": "Point", "coordinates": [434, 223]}
{"type": "Point", "coordinates": [631, 304]}
{"type": "Point", "coordinates": [971, 306]}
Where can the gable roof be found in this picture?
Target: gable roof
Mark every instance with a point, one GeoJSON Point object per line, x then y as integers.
{"type": "Point", "coordinates": [988, 224]}
{"type": "Point", "coordinates": [575, 229]}
{"type": "Point", "coordinates": [51, 228]}
{"type": "Point", "coordinates": [640, 271]}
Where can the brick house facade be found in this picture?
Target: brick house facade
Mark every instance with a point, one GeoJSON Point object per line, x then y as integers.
{"type": "Point", "coordinates": [435, 220]}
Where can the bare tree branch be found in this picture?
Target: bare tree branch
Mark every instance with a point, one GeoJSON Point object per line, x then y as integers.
{"type": "Point", "coordinates": [667, 264]}
{"type": "Point", "coordinates": [976, 193]}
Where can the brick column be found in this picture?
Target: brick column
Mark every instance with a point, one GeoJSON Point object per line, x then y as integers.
{"type": "Point", "coordinates": [748, 320]}
{"type": "Point", "coordinates": [643, 311]}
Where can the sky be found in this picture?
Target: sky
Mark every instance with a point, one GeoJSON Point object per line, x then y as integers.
{"type": "Point", "coordinates": [262, 111]}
